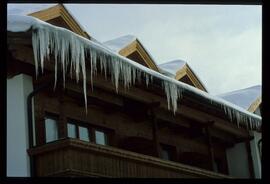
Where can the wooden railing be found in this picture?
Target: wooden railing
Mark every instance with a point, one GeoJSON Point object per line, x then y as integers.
{"type": "Point", "coordinates": [71, 157]}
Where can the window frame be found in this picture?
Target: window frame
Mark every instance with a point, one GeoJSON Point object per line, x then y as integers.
{"type": "Point", "coordinates": [91, 131]}
{"type": "Point", "coordinates": [53, 116]}
{"type": "Point", "coordinates": [171, 149]}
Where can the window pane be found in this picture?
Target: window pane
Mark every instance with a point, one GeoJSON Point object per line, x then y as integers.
{"type": "Point", "coordinates": [51, 130]}
{"type": "Point", "coordinates": [100, 137]}
{"type": "Point", "coordinates": [165, 154]}
{"type": "Point", "coordinates": [83, 133]}
{"type": "Point", "coordinates": [71, 130]}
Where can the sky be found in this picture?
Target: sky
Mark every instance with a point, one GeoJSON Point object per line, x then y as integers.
{"type": "Point", "coordinates": [221, 43]}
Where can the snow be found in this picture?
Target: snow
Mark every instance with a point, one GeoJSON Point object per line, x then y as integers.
{"type": "Point", "coordinates": [172, 67]}
{"type": "Point", "coordinates": [70, 48]}
{"type": "Point", "coordinates": [243, 97]}
{"type": "Point", "coordinates": [25, 9]}
{"type": "Point", "coordinates": [119, 43]}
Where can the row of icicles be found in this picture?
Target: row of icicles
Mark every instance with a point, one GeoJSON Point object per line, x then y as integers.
{"type": "Point", "coordinates": [71, 50]}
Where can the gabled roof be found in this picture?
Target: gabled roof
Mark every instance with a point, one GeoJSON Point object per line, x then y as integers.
{"type": "Point", "coordinates": [248, 98]}
{"type": "Point", "coordinates": [181, 71]}
{"type": "Point", "coordinates": [58, 15]}
{"type": "Point", "coordinates": [129, 46]}
{"type": "Point", "coordinates": [123, 69]}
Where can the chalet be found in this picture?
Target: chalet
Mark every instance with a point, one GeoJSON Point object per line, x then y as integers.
{"type": "Point", "coordinates": [78, 107]}
{"type": "Point", "coordinates": [249, 99]}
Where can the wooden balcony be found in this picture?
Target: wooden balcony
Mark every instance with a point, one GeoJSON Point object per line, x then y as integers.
{"type": "Point", "coordinates": [71, 157]}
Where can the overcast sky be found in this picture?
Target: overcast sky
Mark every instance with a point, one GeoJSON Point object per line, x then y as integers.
{"type": "Point", "coordinates": [222, 44]}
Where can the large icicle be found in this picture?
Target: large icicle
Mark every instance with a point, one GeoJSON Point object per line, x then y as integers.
{"type": "Point", "coordinates": [72, 49]}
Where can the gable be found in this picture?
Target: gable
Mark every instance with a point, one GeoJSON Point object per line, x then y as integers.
{"type": "Point", "coordinates": [59, 16]}
{"type": "Point", "coordinates": [136, 56]}
{"type": "Point", "coordinates": [136, 51]}
{"type": "Point", "coordinates": [248, 98]}
{"type": "Point", "coordinates": [130, 47]}
{"type": "Point", "coordinates": [180, 70]}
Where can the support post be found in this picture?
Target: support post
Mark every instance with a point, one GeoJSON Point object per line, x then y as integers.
{"type": "Point", "coordinates": [155, 135]}
{"type": "Point", "coordinates": [62, 118]}
{"type": "Point", "coordinates": [210, 148]}
{"type": "Point", "coordinates": [154, 128]}
{"type": "Point", "coordinates": [250, 162]}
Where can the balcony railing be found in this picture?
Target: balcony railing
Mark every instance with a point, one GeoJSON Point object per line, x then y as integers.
{"type": "Point", "coordinates": [71, 157]}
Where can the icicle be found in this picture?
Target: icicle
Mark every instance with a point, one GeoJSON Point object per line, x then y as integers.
{"type": "Point", "coordinates": [48, 39]}
{"type": "Point", "coordinates": [146, 79]}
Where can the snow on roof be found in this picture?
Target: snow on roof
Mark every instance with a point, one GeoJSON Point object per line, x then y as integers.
{"type": "Point", "coordinates": [25, 9]}
{"type": "Point", "coordinates": [243, 97]}
{"type": "Point", "coordinates": [47, 39]}
{"type": "Point", "coordinates": [119, 43]}
{"type": "Point", "coordinates": [170, 68]}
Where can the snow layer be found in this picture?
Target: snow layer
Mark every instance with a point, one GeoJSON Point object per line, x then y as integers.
{"type": "Point", "coordinates": [71, 50]}
{"type": "Point", "coordinates": [25, 9]}
{"type": "Point", "coordinates": [119, 43]}
{"type": "Point", "coordinates": [172, 67]}
{"type": "Point", "coordinates": [243, 97]}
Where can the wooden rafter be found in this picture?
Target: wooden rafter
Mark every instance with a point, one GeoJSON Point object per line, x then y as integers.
{"type": "Point", "coordinates": [136, 46]}
{"type": "Point", "coordinates": [59, 11]}
{"type": "Point", "coordinates": [186, 71]}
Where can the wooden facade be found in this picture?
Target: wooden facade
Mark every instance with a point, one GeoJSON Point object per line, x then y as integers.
{"type": "Point", "coordinates": [143, 138]}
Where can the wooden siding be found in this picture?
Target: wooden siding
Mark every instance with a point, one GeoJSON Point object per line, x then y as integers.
{"type": "Point", "coordinates": [78, 158]}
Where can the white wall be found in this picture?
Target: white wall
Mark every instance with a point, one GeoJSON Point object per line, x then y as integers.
{"type": "Point", "coordinates": [18, 89]}
{"type": "Point", "coordinates": [238, 161]}
{"type": "Point", "coordinates": [256, 154]}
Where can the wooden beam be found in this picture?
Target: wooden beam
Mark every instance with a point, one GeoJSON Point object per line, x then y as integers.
{"type": "Point", "coordinates": [250, 162]}
{"type": "Point", "coordinates": [155, 128]}
{"type": "Point", "coordinates": [210, 147]}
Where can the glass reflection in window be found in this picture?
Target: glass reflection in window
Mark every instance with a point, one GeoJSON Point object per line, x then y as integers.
{"type": "Point", "coordinates": [51, 130]}
{"type": "Point", "coordinates": [100, 137]}
{"type": "Point", "coordinates": [83, 134]}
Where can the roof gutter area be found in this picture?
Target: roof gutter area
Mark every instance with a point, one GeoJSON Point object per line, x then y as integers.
{"type": "Point", "coordinates": [112, 59]}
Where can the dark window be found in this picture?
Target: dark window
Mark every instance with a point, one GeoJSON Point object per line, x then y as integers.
{"type": "Point", "coordinates": [168, 152]}
{"type": "Point", "coordinates": [51, 129]}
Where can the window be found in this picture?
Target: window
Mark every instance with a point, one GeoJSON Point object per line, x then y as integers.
{"type": "Point", "coordinates": [86, 132]}
{"type": "Point", "coordinates": [83, 134]}
{"type": "Point", "coordinates": [100, 137]}
{"type": "Point", "coordinates": [51, 129]}
{"type": "Point", "coordinates": [165, 154]}
{"type": "Point", "coordinates": [71, 130]}
{"type": "Point", "coordinates": [78, 131]}
{"type": "Point", "coordinates": [168, 152]}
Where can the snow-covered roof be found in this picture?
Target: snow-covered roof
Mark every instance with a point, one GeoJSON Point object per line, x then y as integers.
{"type": "Point", "coordinates": [172, 67]}
{"type": "Point", "coordinates": [25, 9]}
{"type": "Point", "coordinates": [119, 43]}
{"type": "Point", "coordinates": [122, 42]}
{"type": "Point", "coordinates": [48, 39]}
{"type": "Point", "coordinates": [243, 97]}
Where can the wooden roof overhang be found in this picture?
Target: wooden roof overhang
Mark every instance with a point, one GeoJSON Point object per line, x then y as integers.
{"type": "Point", "coordinates": [58, 15]}
{"type": "Point", "coordinates": [137, 47]}
{"type": "Point", "coordinates": [255, 104]}
{"type": "Point", "coordinates": [191, 107]}
{"type": "Point", "coordinates": [187, 71]}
